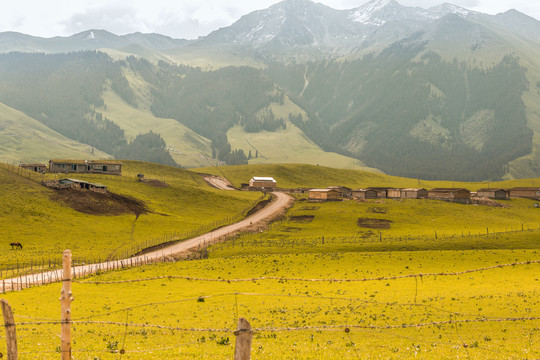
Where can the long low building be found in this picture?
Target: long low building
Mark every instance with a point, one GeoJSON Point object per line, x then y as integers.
{"type": "Point", "coordinates": [262, 182]}
{"type": "Point", "coordinates": [450, 194]}
{"type": "Point", "coordinates": [324, 194]}
{"type": "Point", "coordinates": [109, 167]}
{"type": "Point", "coordinates": [525, 192]}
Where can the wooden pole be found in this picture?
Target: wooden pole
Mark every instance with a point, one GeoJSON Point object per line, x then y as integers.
{"type": "Point", "coordinates": [66, 299]}
{"type": "Point", "coordinates": [11, 336]}
{"type": "Point", "coordinates": [244, 335]}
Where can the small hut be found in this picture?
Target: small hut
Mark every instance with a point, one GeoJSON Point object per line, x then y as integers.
{"type": "Point", "coordinates": [411, 193]}
{"type": "Point", "coordinates": [364, 194]}
{"type": "Point", "coordinates": [450, 194]}
{"type": "Point", "coordinates": [497, 194]}
{"type": "Point", "coordinates": [381, 191]}
{"type": "Point", "coordinates": [324, 194]}
{"type": "Point", "coordinates": [344, 191]}
{"type": "Point", "coordinates": [393, 193]}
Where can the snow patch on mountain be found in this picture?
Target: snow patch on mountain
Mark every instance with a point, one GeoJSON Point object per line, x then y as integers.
{"type": "Point", "coordinates": [367, 14]}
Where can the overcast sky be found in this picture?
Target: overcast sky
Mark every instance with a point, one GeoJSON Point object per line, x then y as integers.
{"type": "Point", "coordinates": [185, 19]}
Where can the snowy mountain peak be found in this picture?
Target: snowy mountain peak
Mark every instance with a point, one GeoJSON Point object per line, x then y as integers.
{"type": "Point", "coordinates": [371, 12]}
{"type": "Point", "coordinates": [447, 8]}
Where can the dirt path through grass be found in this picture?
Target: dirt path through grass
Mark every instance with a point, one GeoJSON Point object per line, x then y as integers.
{"type": "Point", "coordinates": [280, 203]}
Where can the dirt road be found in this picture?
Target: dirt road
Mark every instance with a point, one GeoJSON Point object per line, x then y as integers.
{"type": "Point", "coordinates": [281, 202]}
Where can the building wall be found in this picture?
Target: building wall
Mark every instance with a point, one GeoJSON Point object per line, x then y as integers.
{"type": "Point", "coordinates": [262, 184]}
{"type": "Point", "coordinates": [394, 193]}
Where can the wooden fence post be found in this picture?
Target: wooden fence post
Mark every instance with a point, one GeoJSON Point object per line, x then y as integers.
{"type": "Point", "coordinates": [244, 335]}
{"type": "Point", "coordinates": [11, 336]}
{"type": "Point", "coordinates": [66, 299]}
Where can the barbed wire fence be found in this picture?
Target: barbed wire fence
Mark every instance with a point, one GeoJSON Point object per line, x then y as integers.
{"type": "Point", "coordinates": [154, 334]}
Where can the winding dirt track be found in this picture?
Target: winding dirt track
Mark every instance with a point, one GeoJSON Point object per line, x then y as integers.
{"type": "Point", "coordinates": [281, 202]}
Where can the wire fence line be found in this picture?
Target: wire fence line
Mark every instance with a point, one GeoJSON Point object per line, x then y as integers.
{"type": "Point", "coordinates": [263, 278]}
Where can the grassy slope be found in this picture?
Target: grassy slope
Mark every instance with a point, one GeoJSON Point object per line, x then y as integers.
{"type": "Point", "coordinates": [46, 227]}
{"type": "Point", "coordinates": [271, 303]}
{"type": "Point", "coordinates": [186, 147]}
{"type": "Point", "coordinates": [25, 139]}
{"type": "Point", "coordinates": [309, 176]}
{"type": "Point", "coordinates": [288, 145]}
{"type": "Point", "coordinates": [283, 304]}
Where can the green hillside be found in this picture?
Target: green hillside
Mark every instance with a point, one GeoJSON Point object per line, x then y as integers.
{"type": "Point", "coordinates": [186, 147]}
{"type": "Point", "coordinates": [25, 139]}
{"type": "Point", "coordinates": [44, 222]}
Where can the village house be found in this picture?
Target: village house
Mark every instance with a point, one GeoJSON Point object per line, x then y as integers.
{"type": "Point", "coordinates": [324, 195]}
{"type": "Point", "coordinates": [364, 194]}
{"type": "Point", "coordinates": [393, 193]}
{"type": "Point", "coordinates": [109, 167]}
{"type": "Point", "coordinates": [344, 191]}
{"type": "Point", "coordinates": [525, 192]}
{"type": "Point", "coordinates": [262, 182]}
{"type": "Point", "coordinates": [41, 168]}
{"type": "Point", "coordinates": [381, 191]}
{"type": "Point", "coordinates": [450, 194]}
{"type": "Point", "coordinates": [411, 193]}
{"type": "Point", "coordinates": [497, 194]}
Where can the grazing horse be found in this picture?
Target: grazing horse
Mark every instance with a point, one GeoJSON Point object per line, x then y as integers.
{"type": "Point", "coordinates": [16, 245]}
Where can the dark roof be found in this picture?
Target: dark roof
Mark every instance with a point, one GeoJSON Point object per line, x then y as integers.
{"type": "Point", "coordinates": [524, 189]}
{"type": "Point", "coordinates": [489, 189]}
{"type": "Point", "coordinates": [378, 188]}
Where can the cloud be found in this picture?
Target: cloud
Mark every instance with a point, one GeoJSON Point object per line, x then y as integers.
{"type": "Point", "coordinates": [119, 20]}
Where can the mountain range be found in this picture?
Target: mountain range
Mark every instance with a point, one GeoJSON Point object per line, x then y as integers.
{"type": "Point", "coordinates": [434, 93]}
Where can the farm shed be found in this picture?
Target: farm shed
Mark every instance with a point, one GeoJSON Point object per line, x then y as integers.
{"type": "Point", "coordinates": [525, 192]}
{"type": "Point", "coordinates": [108, 167]}
{"type": "Point", "coordinates": [324, 194]}
{"type": "Point", "coordinates": [411, 193]}
{"type": "Point", "coordinates": [498, 194]}
{"type": "Point", "coordinates": [450, 194]}
{"type": "Point", "coordinates": [262, 182]}
{"type": "Point", "coordinates": [344, 191]}
{"type": "Point", "coordinates": [381, 191]}
{"type": "Point", "coordinates": [393, 193]}
{"type": "Point", "coordinates": [81, 184]}
{"type": "Point", "coordinates": [364, 194]}
{"type": "Point", "coordinates": [41, 168]}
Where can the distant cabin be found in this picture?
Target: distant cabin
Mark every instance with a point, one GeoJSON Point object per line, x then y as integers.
{"type": "Point", "coordinates": [497, 194]}
{"type": "Point", "coordinates": [381, 191]}
{"type": "Point", "coordinates": [262, 182]}
{"type": "Point", "coordinates": [411, 193]}
{"type": "Point", "coordinates": [364, 194]}
{"type": "Point", "coordinates": [450, 194]}
{"type": "Point", "coordinates": [41, 168]}
{"type": "Point", "coordinates": [393, 193]}
{"type": "Point", "coordinates": [108, 167]}
{"type": "Point", "coordinates": [324, 195]}
{"type": "Point", "coordinates": [344, 191]}
{"type": "Point", "coordinates": [525, 192]}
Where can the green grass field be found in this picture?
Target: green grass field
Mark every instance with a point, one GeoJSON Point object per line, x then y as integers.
{"type": "Point", "coordinates": [46, 227]}
{"type": "Point", "coordinates": [432, 317]}
{"type": "Point", "coordinates": [367, 280]}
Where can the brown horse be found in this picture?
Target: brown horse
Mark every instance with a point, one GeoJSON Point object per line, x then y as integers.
{"type": "Point", "coordinates": [16, 245]}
